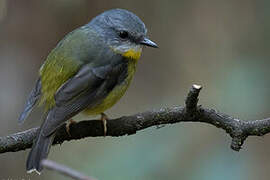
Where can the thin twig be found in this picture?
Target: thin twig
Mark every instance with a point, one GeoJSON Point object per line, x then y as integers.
{"type": "Point", "coordinates": [239, 130]}
{"type": "Point", "coordinates": [64, 170]}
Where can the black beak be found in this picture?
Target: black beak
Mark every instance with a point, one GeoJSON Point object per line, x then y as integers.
{"type": "Point", "coordinates": [147, 42]}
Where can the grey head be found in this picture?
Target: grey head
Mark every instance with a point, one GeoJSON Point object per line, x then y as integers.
{"type": "Point", "coordinates": [122, 30]}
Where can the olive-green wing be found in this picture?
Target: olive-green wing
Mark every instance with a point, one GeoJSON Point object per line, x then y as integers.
{"type": "Point", "coordinates": [80, 47]}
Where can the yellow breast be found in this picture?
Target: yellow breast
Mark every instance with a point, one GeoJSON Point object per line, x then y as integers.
{"type": "Point", "coordinates": [115, 94]}
{"type": "Point", "coordinates": [132, 54]}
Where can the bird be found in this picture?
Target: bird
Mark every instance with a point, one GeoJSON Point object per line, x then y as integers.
{"type": "Point", "coordinates": [87, 72]}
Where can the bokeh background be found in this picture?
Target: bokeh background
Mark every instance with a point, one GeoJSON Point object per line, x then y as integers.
{"type": "Point", "coordinates": [222, 45]}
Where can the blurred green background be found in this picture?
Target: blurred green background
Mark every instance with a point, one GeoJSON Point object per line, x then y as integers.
{"type": "Point", "coordinates": [222, 45]}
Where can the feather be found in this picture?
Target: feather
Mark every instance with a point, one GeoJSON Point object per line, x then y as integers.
{"type": "Point", "coordinates": [31, 101]}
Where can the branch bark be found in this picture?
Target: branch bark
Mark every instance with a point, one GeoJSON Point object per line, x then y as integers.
{"type": "Point", "coordinates": [239, 130]}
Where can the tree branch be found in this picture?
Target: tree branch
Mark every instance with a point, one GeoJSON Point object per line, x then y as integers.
{"type": "Point", "coordinates": [51, 165]}
{"type": "Point", "coordinates": [239, 130]}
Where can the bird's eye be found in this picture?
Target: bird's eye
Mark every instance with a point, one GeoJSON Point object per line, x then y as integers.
{"type": "Point", "coordinates": [123, 34]}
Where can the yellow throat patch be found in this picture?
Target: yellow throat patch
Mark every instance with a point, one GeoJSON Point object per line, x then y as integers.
{"type": "Point", "coordinates": [132, 54]}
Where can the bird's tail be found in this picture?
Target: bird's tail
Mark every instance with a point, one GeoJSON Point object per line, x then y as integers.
{"type": "Point", "coordinates": [39, 151]}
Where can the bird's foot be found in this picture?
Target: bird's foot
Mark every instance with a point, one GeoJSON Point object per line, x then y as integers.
{"type": "Point", "coordinates": [104, 119]}
{"type": "Point", "coordinates": [71, 121]}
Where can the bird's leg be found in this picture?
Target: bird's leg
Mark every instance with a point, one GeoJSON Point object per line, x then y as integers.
{"type": "Point", "coordinates": [104, 119]}
{"type": "Point", "coordinates": [71, 121]}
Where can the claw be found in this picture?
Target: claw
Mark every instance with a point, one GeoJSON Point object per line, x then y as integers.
{"type": "Point", "coordinates": [104, 119]}
{"type": "Point", "coordinates": [71, 121]}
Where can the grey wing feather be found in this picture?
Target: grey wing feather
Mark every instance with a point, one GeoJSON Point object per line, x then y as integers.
{"type": "Point", "coordinates": [31, 101]}
{"type": "Point", "coordinates": [86, 78]}
{"type": "Point", "coordinates": [83, 90]}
